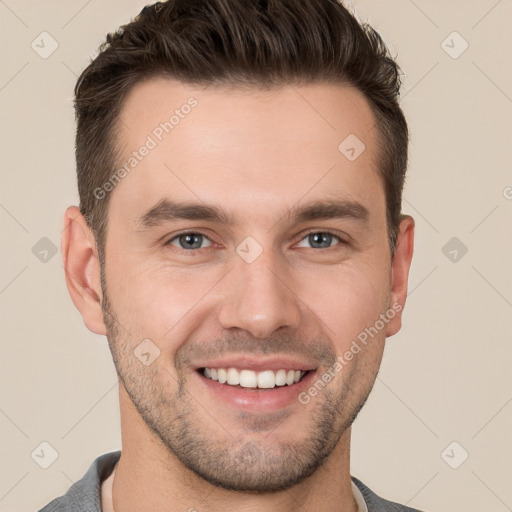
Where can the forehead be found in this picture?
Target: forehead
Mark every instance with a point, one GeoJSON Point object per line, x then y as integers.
{"type": "Point", "coordinates": [254, 151]}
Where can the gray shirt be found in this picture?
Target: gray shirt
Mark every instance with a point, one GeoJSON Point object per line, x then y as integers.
{"type": "Point", "coordinates": [85, 495]}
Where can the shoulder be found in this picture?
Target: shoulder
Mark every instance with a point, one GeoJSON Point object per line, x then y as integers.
{"type": "Point", "coordinates": [378, 504]}
{"type": "Point", "coordinates": [85, 494]}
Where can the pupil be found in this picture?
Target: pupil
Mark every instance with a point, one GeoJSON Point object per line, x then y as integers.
{"type": "Point", "coordinates": [192, 241]}
{"type": "Point", "coordinates": [320, 238]}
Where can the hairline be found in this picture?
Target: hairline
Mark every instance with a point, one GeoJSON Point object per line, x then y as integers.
{"type": "Point", "coordinates": [243, 83]}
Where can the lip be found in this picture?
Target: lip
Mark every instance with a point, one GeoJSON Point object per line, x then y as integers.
{"type": "Point", "coordinates": [258, 365]}
{"type": "Point", "coordinates": [255, 399]}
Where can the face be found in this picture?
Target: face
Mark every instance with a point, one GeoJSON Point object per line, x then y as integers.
{"type": "Point", "coordinates": [243, 241]}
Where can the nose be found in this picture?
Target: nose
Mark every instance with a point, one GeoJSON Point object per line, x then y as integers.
{"type": "Point", "coordinates": [259, 297]}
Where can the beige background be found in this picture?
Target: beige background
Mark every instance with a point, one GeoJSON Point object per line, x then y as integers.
{"type": "Point", "coordinates": [445, 377]}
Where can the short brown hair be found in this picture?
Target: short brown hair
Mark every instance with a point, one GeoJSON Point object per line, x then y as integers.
{"type": "Point", "coordinates": [255, 43]}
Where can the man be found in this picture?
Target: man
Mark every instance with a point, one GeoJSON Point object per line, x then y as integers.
{"type": "Point", "coordinates": [240, 243]}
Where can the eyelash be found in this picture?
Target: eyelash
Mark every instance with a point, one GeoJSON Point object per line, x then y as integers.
{"type": "Point", "coordinates": [189, 252]}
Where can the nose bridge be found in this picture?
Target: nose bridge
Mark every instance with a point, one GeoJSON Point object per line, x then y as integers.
{"type": "Point", "coordinates": [257, 296]}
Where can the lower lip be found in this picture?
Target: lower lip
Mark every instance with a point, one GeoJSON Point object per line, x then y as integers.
{"type": "Point", "coordinates": [255, 399]}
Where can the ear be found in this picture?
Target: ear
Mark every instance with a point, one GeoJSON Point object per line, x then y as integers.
{"type": "Point", "coordinates": [400, 272]}
{"type": "Point", "coordinates": [82, 269]}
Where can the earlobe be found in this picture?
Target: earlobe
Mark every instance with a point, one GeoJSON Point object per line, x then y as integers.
{"type": "Point", "coordinates": [82, 269]}
{"type": "Point", "coordinates": [401, 265]}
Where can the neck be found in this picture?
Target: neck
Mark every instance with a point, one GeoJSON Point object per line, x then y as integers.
{"type": "Point", "coordinates": [149, 477]}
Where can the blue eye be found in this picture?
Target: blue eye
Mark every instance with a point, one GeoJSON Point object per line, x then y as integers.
{"type": "Point", "coordinates": [320, 240]}
{"type": "Point", "coordinates": [189, 241]}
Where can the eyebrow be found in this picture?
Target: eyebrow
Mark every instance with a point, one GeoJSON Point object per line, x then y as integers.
{"type": "Point", "coordinates": [167, 211]}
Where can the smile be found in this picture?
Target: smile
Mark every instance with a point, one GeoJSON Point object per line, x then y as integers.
{"type": "Point", "coordinates": [266, 379]}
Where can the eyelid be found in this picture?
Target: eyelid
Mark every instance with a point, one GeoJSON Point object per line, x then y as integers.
{"type": "Point", "coordinates": [188, 232]}
{"type": "Point", "coordinates": [333, 232]}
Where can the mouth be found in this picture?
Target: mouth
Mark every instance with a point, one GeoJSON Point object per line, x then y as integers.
{"type": "Point", "coordinates": [257, 385]}
{"type": "Point", "coordinates": [258, 391]}
{"type": "Point", "coordinates": [254, 380]}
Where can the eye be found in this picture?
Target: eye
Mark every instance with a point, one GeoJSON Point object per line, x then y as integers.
{"type": "Point", "coordinates": [320, 240]}
{"type": "Point", "coordinates": [189, 241]}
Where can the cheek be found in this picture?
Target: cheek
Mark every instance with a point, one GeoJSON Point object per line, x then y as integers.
{"type": "Point", "coordinates": [163, 304]}
{"type": "Point", "coordinates": [158, 302]}
{"type": "Point", "coordinates": [346, 300]}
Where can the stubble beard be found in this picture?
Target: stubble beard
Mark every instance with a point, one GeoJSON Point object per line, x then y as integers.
{"type": "Point", "coordinates": [254, 458]}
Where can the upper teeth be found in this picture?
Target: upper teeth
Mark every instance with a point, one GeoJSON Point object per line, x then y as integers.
{"type": "Point", "coordinates": [266, 379]}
